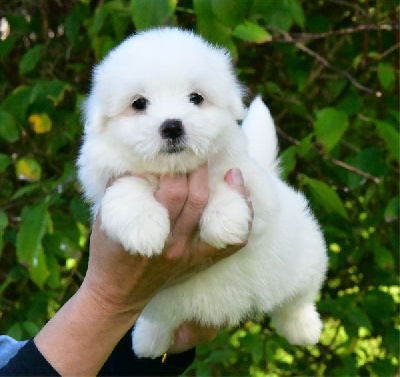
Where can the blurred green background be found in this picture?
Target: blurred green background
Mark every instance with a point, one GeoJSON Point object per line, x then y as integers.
{"type": "Point", "coordinates": [329, 72]}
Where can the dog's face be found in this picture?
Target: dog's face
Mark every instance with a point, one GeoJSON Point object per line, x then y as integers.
{"type": "Point", "coordinates": [166, 99]}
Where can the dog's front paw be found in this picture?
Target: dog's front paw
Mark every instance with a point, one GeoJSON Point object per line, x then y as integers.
{"type": "Point", "coordinates": [225, 220]}
{"type": "Point", "coordinates": [151, 339]}
{"type": "Point", "coordinates": [134, 219]}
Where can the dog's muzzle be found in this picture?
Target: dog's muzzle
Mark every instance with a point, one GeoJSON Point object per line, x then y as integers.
{"type": "Point", "coordinates": [173, 132]}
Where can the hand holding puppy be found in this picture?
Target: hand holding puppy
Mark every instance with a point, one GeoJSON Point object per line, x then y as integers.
{"type": "Point", "coordinates": [117, 285]}
{"type": "Point", "coordinates": [126, 283]}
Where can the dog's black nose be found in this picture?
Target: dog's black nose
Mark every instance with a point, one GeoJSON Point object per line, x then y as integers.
{"type": "Point", "coordinates": [172, 129]}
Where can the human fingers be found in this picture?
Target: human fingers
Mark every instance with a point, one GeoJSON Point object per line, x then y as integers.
{"type": "Point", "coordinates": [172, 193]}
{"type": "Point", "coordinates": [234, 179]}
{"type": "Point", "coordinates": [191, 334]}
{"type": "Point", "coordinates": [198, 194]}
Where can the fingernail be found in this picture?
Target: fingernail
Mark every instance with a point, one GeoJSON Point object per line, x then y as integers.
{"type": "Point", "coordinates": [237, 177]}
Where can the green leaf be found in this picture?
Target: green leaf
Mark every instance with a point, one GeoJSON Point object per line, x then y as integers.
{"type": "Point", "coordinates": [347, 367]}
{"type": "Point", "coordinates": [80, 210]}
{"type": "Point", "coordinates": [359, 318]}
{"type": "Point", "coordinates": [326, 196]}
{"type": "Point", "coordinates": [30, 59]}
{"type": "Point", "coordinates": [255, 344]}
{"type": "Point", "coordinates": [28, 169]}
{"type": "Point", "coordinates": [29, 241]}
{"type": "Point", "coordinates": [5, 162]}
{"type": "Point", "coordinates": [384, 368]}
{"type": "Point", "coordinates": [18, 102]}
{"type": "Point", "coordinates": [30, 328]}
{"type": "Point", "coordinates": [330, 125]}
{"type": "Point", "coordinates": [8, 127]}
{"type": "Point", "coordinates": [273, 88]}
{"type": "Point", "coordinates": [54, 278]}
{"type": "Point", "coordinates": [391, 339]}
{"type": "Point", "coordinates": [6, 46]}
{"type": "Point", "coordinates": [390, 136]}
{"type": "Point", "coordinates": [56, 89]}
{"type": "Point", "coordinates": [98, 21]}
{"type": "Point", "coordinates": [297, 12]}
{"type": "Point", "coordinates": [370, 160]}
{"type": "Point", "coordinates": [392, 209]}
{"type": "Point", "coordinates": [231, 12]}
{"type": "Point", "coordinates": [275, 13]}
{"type": "Point", "coordinates": [15, 331]}
{"type": "Point", "coordinates": [222, 355]}
{"type": "Point", "coordinates": [288, 160]}
{"type": "Point", "coordinates": [383, 258]}
{"type": "Point", "coordinates": [121, 20]}
{"type": "Point", "coordinates": [74, 21]}
{"type": "Point", "coordinates": [38, 270]}
{"type": "Point", "coordinates": [305, 146]}
{"type": "Point", "coordinates": [26, 189]}
{"type": "Point", "coordinates": [210, 28]}
{"type": "Point", "coordinates": [102, 45]}
{"type": "Point", "coordinates": [351, 104]}
{"type": "Point", "coordinates": [378, 304]}
{"type": "Point", "coordinates": [251, 32]}
{"type": "Point", "coordinates": [386, 75]}
{"type": "Point", "coordinates": [149, 13]}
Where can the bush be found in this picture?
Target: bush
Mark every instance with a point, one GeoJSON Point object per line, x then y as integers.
{"type": "Point", "coordinates": [328, 71]}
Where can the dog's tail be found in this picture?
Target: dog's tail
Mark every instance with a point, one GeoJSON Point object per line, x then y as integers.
{"type": "Point", "coordinates": [260, 132]}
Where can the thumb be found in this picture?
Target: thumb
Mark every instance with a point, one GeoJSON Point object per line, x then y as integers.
{"type": "Point", "coordinates": [234, 179]}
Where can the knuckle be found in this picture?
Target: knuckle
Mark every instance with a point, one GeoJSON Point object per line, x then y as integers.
{"type": "Point", "coordinates": [175, 254]}
{"type": "Point", "coordinates": [176, 192]}
{"type": "Point", "coordinates": [198, 199]}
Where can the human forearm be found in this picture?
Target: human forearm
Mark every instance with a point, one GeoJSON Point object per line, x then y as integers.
{"type": "Point", "coordinates": [80, 337]}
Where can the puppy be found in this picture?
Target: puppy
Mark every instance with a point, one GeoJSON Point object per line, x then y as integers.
{"type": "Point", "coordinates": [164, 102]}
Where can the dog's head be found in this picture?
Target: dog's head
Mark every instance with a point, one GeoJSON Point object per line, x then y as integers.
{"type": "Point", "coordinates": [164, 97]}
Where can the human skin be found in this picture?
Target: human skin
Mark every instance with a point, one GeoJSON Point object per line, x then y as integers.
{"type": "Point", "coordinates": [118, 285]}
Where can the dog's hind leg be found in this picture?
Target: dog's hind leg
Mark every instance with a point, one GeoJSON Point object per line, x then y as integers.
{"type": "Point", "coordinates": [298, 322]}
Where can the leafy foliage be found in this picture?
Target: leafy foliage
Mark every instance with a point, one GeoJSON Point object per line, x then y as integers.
{"type": "Point", "coordinates": [328, 72]}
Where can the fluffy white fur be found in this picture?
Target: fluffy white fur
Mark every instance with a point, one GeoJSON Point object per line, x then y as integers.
{"type": "Point", "coordinates": [281, 269]}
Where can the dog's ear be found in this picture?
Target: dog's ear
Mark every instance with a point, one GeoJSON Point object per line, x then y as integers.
{"type": "Point", "coordinates": [94, 119]}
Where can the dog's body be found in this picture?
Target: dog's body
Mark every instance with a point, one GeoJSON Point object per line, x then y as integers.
{"type": "Point", "coordinates": [186, 102]}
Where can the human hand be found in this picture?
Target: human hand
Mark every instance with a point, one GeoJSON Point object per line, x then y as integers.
{"type": "Point", "coordinates": [123, 283]}
{"type": "Point", "coordinates": [118, 285]}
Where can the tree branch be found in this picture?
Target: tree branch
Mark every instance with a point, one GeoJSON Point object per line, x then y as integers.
{"type": "Point", "coordinates": [342, 164]}
{"type": "Point", "coordinates": [389, 51]}
{"type": "Point", "coordinates": [302, 37]}
{"type": "Point", "coordinates": [346, 74]}
{"type": "Point", "coordinates": [289, 38]}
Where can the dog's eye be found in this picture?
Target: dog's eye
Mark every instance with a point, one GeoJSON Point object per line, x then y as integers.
{"type": "Point", "coordinates": [196, 98]}
{"type": "Point", "coordinates": [140, 104]}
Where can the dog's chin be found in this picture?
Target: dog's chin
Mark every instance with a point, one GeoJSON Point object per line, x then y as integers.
{"type": "Point", "coordinates": [173, 160]}
{"type": "Point", "coordinates": [173, 149]}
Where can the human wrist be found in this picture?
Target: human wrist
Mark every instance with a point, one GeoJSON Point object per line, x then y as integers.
{"type": "Point", "coordinates": [109, 300]}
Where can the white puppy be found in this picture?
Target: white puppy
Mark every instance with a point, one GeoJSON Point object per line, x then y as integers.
{"type": "Point", "coordinates": [164, 102]}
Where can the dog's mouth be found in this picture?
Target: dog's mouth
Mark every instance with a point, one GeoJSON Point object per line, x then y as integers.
{"type": "Point", "coordinates": [174, 147]}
